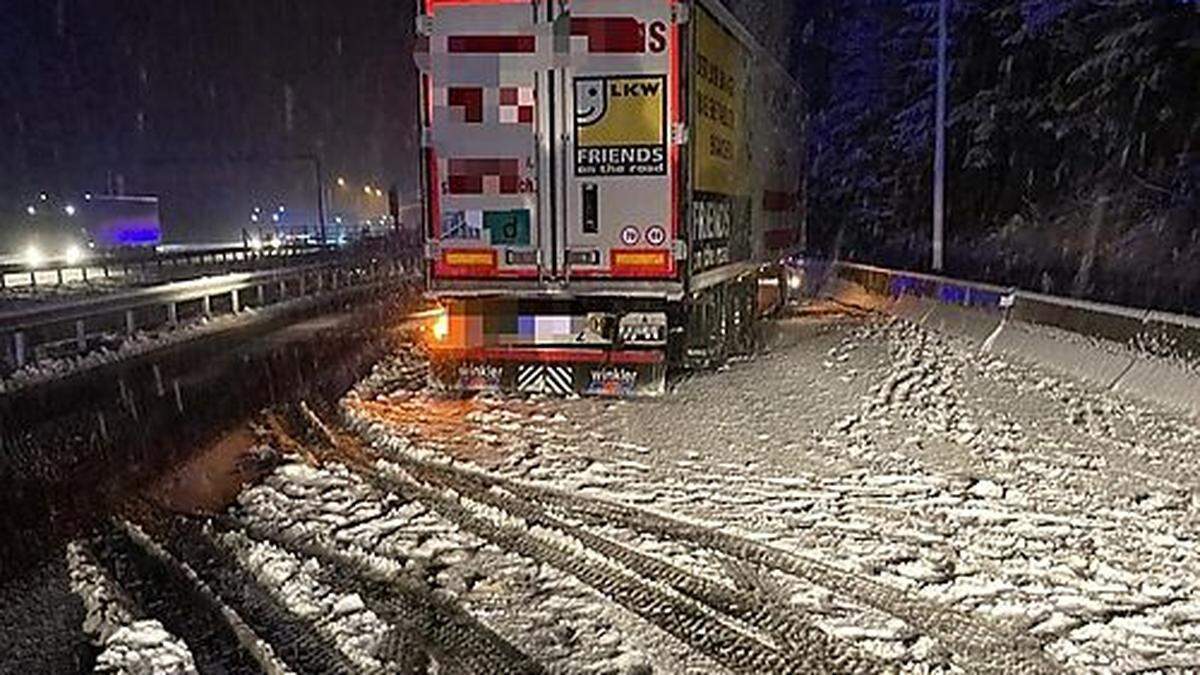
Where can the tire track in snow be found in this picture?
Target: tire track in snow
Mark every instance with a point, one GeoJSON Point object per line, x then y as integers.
{"type": "Point", "coordinates": [299, 643]}
{"type": "Point", "coordinates": [163, 588]}
{"type": "Point", "coordinates": [671, 611]}
{"type": "Point", "coordinates": [812, 650]}
{"type": "Point", "coordinates": [974, 643]}
{"type": "Point", "coordinates": [421, 621]}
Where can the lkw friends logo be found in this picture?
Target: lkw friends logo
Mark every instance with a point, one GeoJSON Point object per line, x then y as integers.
{"type": "Point", "coordinates": [620, 126]}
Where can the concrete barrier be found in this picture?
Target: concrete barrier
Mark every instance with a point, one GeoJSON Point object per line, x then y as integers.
{"type": "Point", "coordinates": [1149, 354]}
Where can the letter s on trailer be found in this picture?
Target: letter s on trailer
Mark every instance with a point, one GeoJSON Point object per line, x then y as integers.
{"type": "Point", "coordinates": [604, 183]}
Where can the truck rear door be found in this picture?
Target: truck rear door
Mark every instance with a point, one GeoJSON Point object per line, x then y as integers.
{"type": "Point", "coordinates": [484, 139]}
{"type": "Point", "coordinates": [548, 140]}
{"type": "Point", "coordinates": [619, 165]}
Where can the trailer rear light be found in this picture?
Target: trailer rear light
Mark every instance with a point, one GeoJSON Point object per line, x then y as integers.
{"type": "Point", "coordinates": [584, 258]}
{"type": "Point", "coordinates": [640, 261]}
{"type": "Point", "coordinates": [521, 258]}
{"type": "Point", "coordinates": [470, 259]}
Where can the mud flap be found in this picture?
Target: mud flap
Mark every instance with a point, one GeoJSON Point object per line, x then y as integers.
{"type": "Point", "coordinates": [560, 379]}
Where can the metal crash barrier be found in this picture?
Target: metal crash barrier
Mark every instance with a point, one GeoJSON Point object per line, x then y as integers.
{"type": "Point", "coordinates": [1153, 354]}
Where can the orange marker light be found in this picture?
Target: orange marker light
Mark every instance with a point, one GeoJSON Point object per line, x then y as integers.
{"type": "Point", "coordinates": [441, 327]}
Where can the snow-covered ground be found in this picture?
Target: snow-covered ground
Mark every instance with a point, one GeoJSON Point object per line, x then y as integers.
{"type": "Point", "coordinates": [911, 458]}
{"type": "Point", "coordinates": [868, 495]}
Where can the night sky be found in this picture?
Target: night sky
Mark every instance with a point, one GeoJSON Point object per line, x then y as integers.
{"type": "Point", "coordinates": [206, 103]}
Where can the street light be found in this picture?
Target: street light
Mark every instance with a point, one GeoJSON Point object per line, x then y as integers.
{"type": "Point", "coordinates": [87, 196]}
{"type": "Point", "coordinates": [43, 196]}
{"type": "Point", "coordinates": [341, 182]}
{"type": "Point", "coordinates": [69, 209]}
{"type": "Point", "coordinates": [31, 210]}
{"type": "Point", "coordinates": [367, 189]}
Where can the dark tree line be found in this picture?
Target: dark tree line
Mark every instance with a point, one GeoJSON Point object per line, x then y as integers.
{"type": "Point", "coordinates": [1074, 160]}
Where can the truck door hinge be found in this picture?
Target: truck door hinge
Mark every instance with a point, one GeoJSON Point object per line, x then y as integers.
{"type": "Point", "coordinates": [424, 25]}
{"type": "Point", "coordinates": [681, 13]}
{"type": "Point", "coordinates": [679, 133]}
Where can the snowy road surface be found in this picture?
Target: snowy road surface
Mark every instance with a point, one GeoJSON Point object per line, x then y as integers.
{"type": "Point", "coordinates": [868, 496]}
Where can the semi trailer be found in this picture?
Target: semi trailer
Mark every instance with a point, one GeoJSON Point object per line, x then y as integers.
{"type": "Point", "coordinates": [606, 183]}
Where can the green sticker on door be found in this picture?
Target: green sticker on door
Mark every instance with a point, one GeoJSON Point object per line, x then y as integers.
{"type": "Point", "coordinates": [508, 228]}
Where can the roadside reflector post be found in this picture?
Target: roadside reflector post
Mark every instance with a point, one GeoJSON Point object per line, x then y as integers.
{"type": "Point", "coordinates": [19, 349]}
{"type": "Point", "coordinates": [235, 301]}
{"type": "Point", "coordinates": [80, 335]}
{"type": "Point", "coordinates": [173, 314]}
{"type": "Point", "coordinates": [262, 295]}
{"type": "Point", "coordinates": [130, 322]}
{"type": "Point", "coordinates": [282, 290]}
{"type": "Point", "coordinates": [206, 304]}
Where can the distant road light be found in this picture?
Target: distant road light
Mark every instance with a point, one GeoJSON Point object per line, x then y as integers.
{"type": "Point", "coordinates": [34, 256]}
{"type": "Point", "coordinates": [74, 255]}
{"type": "Point", "coordinates": [254, 217]}
{"type": "Point", "coordinates": [31, 210]}
{"type": "Point", "coordinates": [275, 217]}
{"type": "Point", "coordinates": [367, 189]}
{"type": "Point", "coordinates": [69, 209]}
{"type": "Point", "coordinates": [341, 182]}
{"type": "Point", "coordinates": [87, 196]}
{"type": "Point", "coordinates": [258, 209]}
{"type": "Point", "coordinates": [378, 192]}
{"type": "Point", "coordinates": [281, 209]}
{"type": "Point", "coordinates": [338, 220]}
{"type": "Point", "coordinates": [43, 196]}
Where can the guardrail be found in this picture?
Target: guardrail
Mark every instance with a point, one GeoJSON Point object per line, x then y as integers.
{"type": "Point", "coordinates": [125, 261]}
{"type": "Point", "coordinates": [72, 327]}
{"type": "Point", "coordinates": [1155, 354]}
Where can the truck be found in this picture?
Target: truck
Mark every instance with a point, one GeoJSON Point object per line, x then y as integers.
{"type": "Point", "coordinates": [606, 186]}
{"type": "Point", "coordinates": [115, 222]}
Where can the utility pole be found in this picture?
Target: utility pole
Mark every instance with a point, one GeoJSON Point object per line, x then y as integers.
{"type": "Point", "coordinates": [939, 159]}
{"type": "Point", "coordinates": [320, 198]}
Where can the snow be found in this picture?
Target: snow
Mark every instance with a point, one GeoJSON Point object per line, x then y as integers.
{"type": "Point", "coordinates": [344, 618]}
{"type": "Point", "coordinates": [980, 483]}
{"type": "Point", "coordinates": [975, 483]}
{"type": "Point", "coordinates": [126, 645]}
{"type": "Point", "coordinates": [144, 648]}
